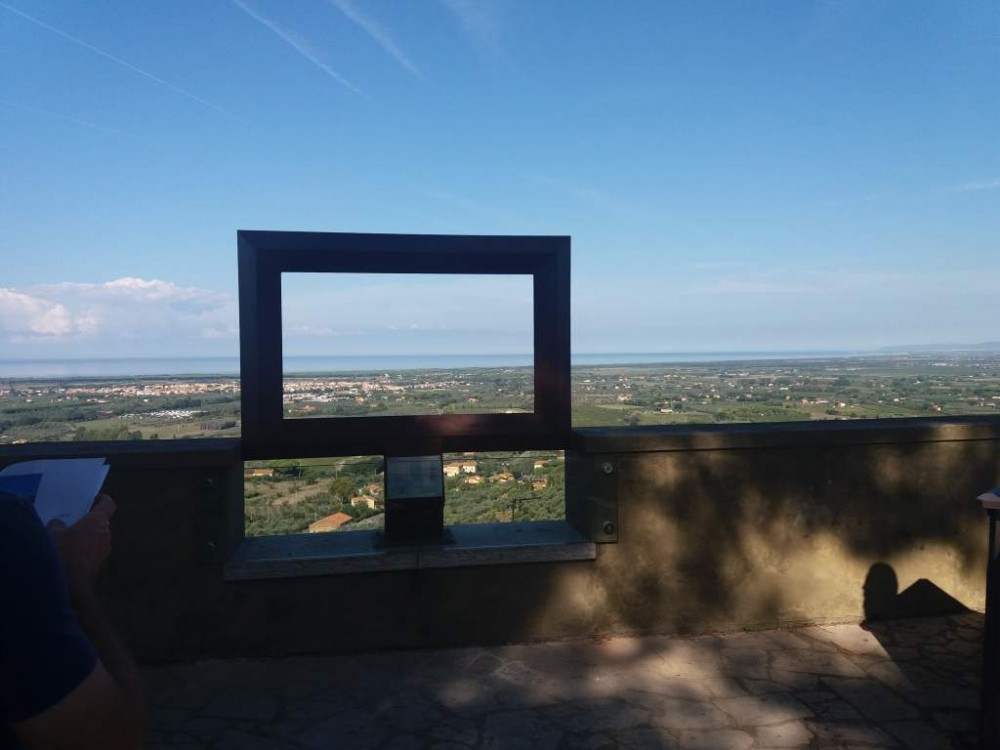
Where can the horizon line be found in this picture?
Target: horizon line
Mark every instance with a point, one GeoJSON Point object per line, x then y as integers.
{"type": "Point", "coordinates": [898, 349]}
{"type": "Point", "coordinates": [644, 353]}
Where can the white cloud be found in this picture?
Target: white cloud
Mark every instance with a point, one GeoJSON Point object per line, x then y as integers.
{"type": "Point", "coordinates": [834, 282]}
{"type": "Point", "coordinates": [26, 316]}
{"type": "Point", "coordinates": [971, 187]}
{"type": "Point", "coordinates": [88, 325]}
{"type": "Point", "coordinates": [220, 332]}
{"type": "Point", "coordinates": [130, 289]}
{"type": "Point", "coordinates": [115, 318]}
{"type": "Point", "coordinates": [153, 289]}
{"type": "Point", "coordinates": [318, 331]}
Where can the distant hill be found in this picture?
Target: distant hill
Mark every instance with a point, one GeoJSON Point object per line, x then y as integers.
{"type": "Point", "coordinates": [986, 346]}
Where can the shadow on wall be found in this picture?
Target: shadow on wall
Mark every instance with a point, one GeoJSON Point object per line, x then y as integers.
{"type": "Point", "coordinates": [717, 532]}
{"type": "Point", "coordinates": [719, 537]}
{"type": "Point", "coordinates": [712, 537]}
{"type": "Point", "coordinates": [884, 601]}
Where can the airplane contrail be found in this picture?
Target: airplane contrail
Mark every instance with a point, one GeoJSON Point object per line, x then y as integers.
{"type": "Point", "coordinates": [118, 60]}
{"type": "Point", "coordinates": [298, 44]}
{"type": "Point", "coordinates": [376, 32]}
{"type": "Point", "coordinates": [69, 118]}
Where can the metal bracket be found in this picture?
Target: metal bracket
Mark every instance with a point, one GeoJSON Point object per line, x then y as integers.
{"type": "Point", "coordinates": [592, 495]}
{"type": "Point", "coordinates": [213, 514]}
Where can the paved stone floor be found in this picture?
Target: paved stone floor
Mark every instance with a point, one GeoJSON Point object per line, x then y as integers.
{"type": "Point", "coordinates": [909, 683]}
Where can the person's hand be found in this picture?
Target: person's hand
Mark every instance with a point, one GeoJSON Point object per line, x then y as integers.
{"type": "Point", "coordinates": [84, 546]}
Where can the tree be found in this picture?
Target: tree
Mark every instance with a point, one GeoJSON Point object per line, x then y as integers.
{"type": "Point", "coordinates": [287, 467]}
{"type": "Point", "coordinates": [341, 487]}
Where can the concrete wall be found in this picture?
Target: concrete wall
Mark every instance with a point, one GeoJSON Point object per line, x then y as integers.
{"type": "Point", "coordinates": [742, 527]}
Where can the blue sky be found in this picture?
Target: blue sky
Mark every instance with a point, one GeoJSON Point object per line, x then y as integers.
{"type": "Point", "coordinates": [735, 176]}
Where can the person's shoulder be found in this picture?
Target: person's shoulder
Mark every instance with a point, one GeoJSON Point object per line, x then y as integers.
{"type": "Point", "coordinates": [44, 654]}
{"type": "Point", "coordinates": [29, 565]}
{"type": "Point", "coordinates": [20, 526]}
{"type": "Point", "coordinates": [14, 505]}
{"type": "Point", "coordinates": [11, 503]}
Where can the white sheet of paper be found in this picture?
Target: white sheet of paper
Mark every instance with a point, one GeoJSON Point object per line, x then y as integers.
{"type": "Point", "coordinates": [68, 486]}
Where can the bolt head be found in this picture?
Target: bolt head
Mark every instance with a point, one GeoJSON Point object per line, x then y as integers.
{"type": "Point", "coordinates": [609, 528]}
{"type": "Point", "coordinates": [608, 468]}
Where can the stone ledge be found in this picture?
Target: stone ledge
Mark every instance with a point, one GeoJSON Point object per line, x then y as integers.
{"type": "Point", "coordinates": [340, 553]}
{"type": "Point", "coordinates": [739, 436]}
{"type": "Point", "coordinates": [135, 454]}
{"type": "Point", "coordinates": [220, 451]}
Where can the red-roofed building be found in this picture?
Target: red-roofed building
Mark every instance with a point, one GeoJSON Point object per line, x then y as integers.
{"type": "Point", "coordinates": [329, 523]}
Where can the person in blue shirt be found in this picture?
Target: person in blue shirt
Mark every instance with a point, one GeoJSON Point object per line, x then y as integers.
{"type": "Point", "coordinates": [66, 680]}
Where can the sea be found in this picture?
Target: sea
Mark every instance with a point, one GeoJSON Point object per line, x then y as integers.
{"type": "Point", "coordinates": [230, 366]}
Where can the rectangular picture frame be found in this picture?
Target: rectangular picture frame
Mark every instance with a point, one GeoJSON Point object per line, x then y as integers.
{"type": "Point", "coordinates": [264, 255]}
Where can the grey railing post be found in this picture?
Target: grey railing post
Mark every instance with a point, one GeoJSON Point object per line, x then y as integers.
{"type": "Point", "coordinates": [989, 721]}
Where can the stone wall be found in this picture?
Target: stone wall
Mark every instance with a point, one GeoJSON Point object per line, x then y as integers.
{"type": "Point", "coordinates": [718, 529]}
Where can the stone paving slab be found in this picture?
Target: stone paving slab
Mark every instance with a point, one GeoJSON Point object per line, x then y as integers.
{"type": "Point", "coordinates": [902, 684]}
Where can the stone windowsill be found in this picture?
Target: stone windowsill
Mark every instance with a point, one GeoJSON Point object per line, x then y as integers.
{"type": "Point", "coordinates": [355, 551]}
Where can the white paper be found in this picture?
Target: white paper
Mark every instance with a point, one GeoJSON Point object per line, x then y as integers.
{"type": "Point", "coordinates": [67, 488]}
